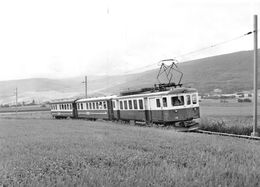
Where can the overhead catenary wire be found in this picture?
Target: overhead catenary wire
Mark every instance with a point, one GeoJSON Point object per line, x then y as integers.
{"type": "Point", "coordinates": [215, 45]}
{"type": "Point", "coordinates": [196, 51]}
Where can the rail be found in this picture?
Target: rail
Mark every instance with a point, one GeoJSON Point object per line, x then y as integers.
{"type": "Point", "coordinates": [227, 134]}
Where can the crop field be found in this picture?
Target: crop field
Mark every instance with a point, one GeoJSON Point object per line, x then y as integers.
{"type": "Point", "coordinates": [36, 152]}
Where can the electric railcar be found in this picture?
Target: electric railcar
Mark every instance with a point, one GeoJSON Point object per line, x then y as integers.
{"type": "Point", "coordinates": [177, 105]}
{"type": "Point", "coordinates": [162, 107]}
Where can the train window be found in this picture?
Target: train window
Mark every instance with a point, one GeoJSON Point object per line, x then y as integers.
{"type": "Point", "coordinates": [68, 106]}
{"type": "Point", "coordinates": [65, 107]}
{"type": "Point", "coordinates": [104, 105]}
{"type": "Point", "coordinates": [194, 99]}
{"type": "Point", "coordinates": [130, 104]}
{"type": "Point", "coordinates": [94, 106]}
{"type": "Point", "coordinates": [164, 100]}
{"type": "Point", "coordinates": [158, 103]}
{"type": "Point", "coordinates": [97, 105]}
{"type": "Point", "coordinates": [90, 105]}
{"type": "Point", "coordinates": [125, 105]}
{"type": "Point", "coordinates": [100, 106]}
{"type": "Point", "coordinates": [135, 104]}
{"type": "Point", "coordinates": [121, 105]}
{"type": "Point", "coordinates": [177, 101]}
{"type": "Point", "coordinates": [141, 106]}
{"type": "Point", "coordinates": [81, 106]}
{"type": "Point", "coordinates": [87, 106]}
{"type": "Point", "coordinates": [188, 99]}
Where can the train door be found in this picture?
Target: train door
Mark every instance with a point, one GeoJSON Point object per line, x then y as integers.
{"type": "Point", "coordinates": [110, 110]}
{"type": "Point", "coordinates": [117, 108]}
{"type": "Point", "coordinates": [164, 108]}
{"type": "Point", "coordinates": [156, 109]}
{"type": "Point", "coordinates": [74, 110]}
{"type": "Point", "coordinates": [147, 111]}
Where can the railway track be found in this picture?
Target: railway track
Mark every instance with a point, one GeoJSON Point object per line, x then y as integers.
{"type": "Point", "coordinates": [226, 134]}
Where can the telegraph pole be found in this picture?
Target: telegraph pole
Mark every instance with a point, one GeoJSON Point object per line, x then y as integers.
{"type": "Point", "coordinates": [255, 133]}
{"type": "Point", "coordinates": [86, 86]}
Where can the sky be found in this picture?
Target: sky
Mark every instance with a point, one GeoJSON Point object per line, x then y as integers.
{"type": "Point", "coordinates": [67, 38]}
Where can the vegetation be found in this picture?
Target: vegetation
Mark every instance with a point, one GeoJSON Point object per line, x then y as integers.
{"type": "Point", "coordinates": [82, 153]}
{"type": "Point", "coordinates": [235, 125]}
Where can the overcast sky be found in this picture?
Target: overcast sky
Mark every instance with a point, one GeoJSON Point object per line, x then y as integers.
{"type": "Point", "coordinates": [59, 38]}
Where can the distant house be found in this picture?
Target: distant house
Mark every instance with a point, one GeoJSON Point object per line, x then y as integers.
{"type": "Point", "coordinates": [244, 94]}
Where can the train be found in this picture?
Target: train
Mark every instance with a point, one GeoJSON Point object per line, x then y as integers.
{"type": "Point", "coordinates": [164, 103]}
{"type": "Point", "coordinates": [168, 107]}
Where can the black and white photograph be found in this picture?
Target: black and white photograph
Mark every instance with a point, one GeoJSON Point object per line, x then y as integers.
{"type": "Point", "coordinates": [134, 93]}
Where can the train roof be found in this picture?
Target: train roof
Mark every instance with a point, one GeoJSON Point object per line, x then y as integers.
{"type": "Point", "coordinates": [174, 91]}
{"type": "Point", "coordinates": [61, 101]}
{"type": "Point", "coordinates": [96, 98]}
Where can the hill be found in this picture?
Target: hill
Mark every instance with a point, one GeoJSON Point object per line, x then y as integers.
{"type": "Point", "coordinates": [229, 72]}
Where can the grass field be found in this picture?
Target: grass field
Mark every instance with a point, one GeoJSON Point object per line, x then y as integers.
{"type": "Point", "coordinates": [36, 152]}
{"type": "Point", "coordinates": [233, 117]}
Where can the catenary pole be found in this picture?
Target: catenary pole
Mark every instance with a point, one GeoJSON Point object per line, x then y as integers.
{"type": "Point", "coordinates": [16, 99]}
{"type": "Point", "coordinates": [255, 133]}
{"type": "Point", "coordinates": [86, 86]}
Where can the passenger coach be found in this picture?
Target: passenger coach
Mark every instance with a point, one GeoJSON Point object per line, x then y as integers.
{"type": "Point", "coordinates": [63, 109]}
{"type": "Point", "coordinates": [95, 108]}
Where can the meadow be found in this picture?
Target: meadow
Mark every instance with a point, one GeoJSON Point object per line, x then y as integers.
{"type": "Point", "coordinates": [230, 117]}
{"type": "Point", "coordinates": [36, 152]}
